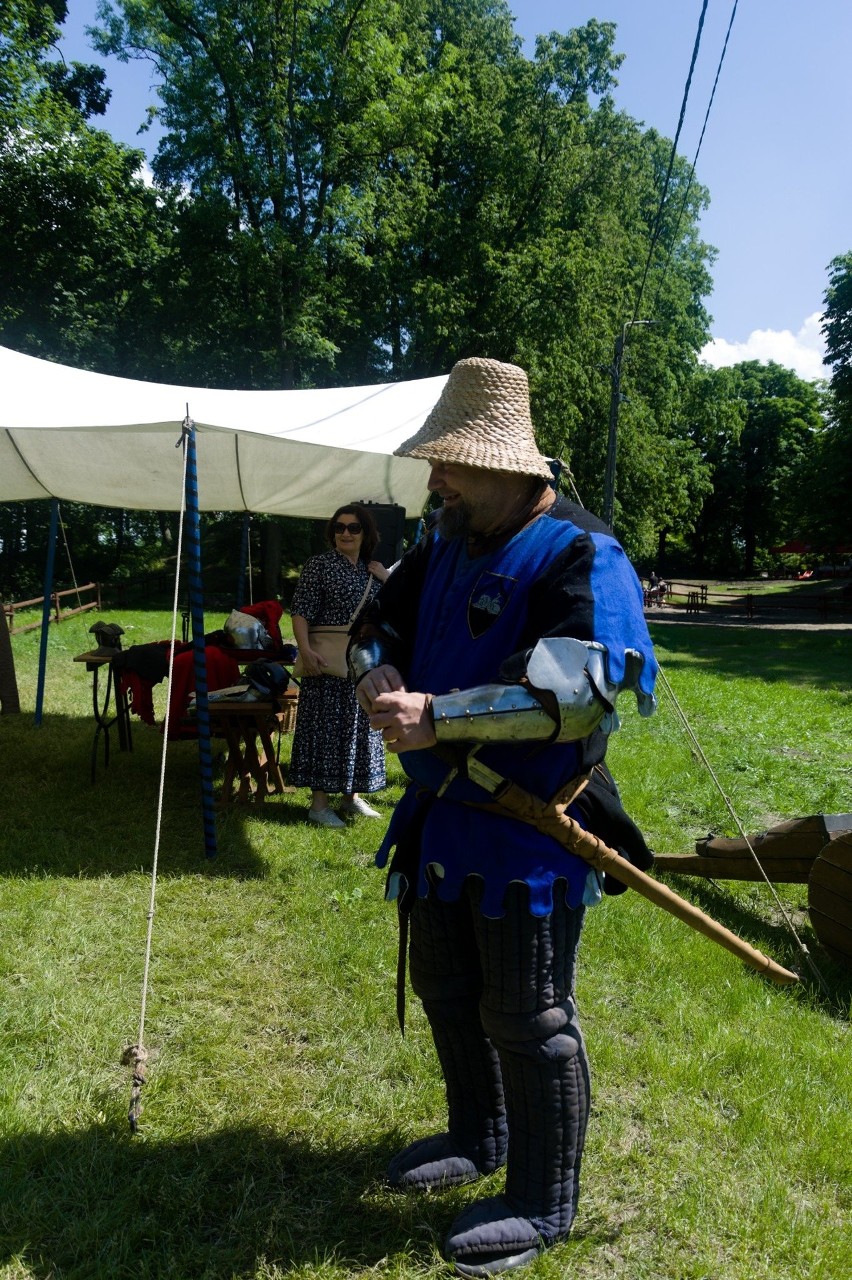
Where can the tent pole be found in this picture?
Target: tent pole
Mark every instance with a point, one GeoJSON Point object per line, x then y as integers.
{"type": "Point", "coordinates": [196, 604]}
{"type": "Point", "coordinates": [46, 607]}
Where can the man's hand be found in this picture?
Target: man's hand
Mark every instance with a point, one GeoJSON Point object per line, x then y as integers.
{"type": "Point", "coordinates": [383, 679]}
{"type": "Point", "coordinates": [405, 720]}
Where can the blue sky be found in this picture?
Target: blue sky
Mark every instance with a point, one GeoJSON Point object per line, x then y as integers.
{"type": "Point", "coordinates": [775, 155]}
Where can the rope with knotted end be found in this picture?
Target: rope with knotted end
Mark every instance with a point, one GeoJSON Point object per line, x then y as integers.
{"type": "Point", "coordinates": [136, 1055]}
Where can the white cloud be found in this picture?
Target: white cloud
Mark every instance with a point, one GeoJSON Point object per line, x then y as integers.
{"type": "Point", "coordinates": [803, 351]}
{"type": "Point", "coordinates": [145, 173]}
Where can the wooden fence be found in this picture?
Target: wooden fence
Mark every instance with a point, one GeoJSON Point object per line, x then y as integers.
{"type": "Point", "coordinates": [59, 612]}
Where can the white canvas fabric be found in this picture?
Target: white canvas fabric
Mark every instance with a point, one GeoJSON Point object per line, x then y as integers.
{"type": "Point", "coordinates": [88, 437]}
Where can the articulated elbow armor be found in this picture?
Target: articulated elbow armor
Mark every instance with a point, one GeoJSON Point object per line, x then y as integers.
{"type": "Point", "coordinates": [572, 671]}
{"type": "Point", "coordinates": [373, 651]}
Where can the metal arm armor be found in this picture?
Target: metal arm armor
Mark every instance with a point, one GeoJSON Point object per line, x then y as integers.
{"type": "Point", "coordinates": [574, 671]}
{"type": "Point", "coordinates": [491, 713]}
{"type": "Point", "coordinates": [373, 651]}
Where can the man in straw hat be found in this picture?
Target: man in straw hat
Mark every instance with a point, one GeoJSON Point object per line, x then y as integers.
{"type": "Point", "coordinates": [502, 639]}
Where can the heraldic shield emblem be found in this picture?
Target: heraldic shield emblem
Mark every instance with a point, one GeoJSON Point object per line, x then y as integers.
{"type": "Point", "coordinates": [489, 597]}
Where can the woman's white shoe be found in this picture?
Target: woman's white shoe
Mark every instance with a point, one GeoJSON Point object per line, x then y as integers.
{"type": "Point", "coordinates": [325, 818]}
{"type": "Point", "coordinates": [357, 808]}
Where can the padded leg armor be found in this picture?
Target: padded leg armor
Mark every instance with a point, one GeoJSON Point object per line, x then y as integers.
{"type": "Point", "coordinates": [528, 1012]}
{"type": "Point", "coordinates": [446, 975]}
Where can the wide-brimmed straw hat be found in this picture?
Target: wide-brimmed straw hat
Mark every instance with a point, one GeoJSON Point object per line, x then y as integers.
{"type": "Point", "coordinates": [481, 420]}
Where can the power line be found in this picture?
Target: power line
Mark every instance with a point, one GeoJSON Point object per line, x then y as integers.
{"type": "Point", "coordinates": [622, 339]}
{"type": "Point", "coordinates": [695, 158]}
{"type": "Point", "coordinates": [659, 219]}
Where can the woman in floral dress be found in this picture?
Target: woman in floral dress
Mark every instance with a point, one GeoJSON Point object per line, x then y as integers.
{"type": "Point", "coordinates": [334, 748]}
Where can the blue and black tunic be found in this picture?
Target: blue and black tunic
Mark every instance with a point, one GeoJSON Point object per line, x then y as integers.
{"type": "Point", "coordinates": [459, 621]}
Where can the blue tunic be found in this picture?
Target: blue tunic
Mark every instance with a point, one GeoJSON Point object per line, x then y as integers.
{"type": "Point", "coordinates": [552, 578]}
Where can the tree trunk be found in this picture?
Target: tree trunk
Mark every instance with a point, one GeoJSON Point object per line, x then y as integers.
{"type": "Point", "coordinates": [273, 545]}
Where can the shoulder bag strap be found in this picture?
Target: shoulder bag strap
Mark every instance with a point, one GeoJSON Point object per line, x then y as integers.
{"type": "Point", "coordinates": [359, 606]}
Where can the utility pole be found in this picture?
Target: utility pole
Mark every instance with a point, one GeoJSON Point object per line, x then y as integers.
{"type": "Point", "coordinates": [614, 403]}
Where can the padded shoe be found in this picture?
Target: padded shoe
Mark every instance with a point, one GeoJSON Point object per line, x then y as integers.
{"type": "Point", "coordinates": [431, 1162]}
{"type": "Point", "coordinates": [488, 1238]}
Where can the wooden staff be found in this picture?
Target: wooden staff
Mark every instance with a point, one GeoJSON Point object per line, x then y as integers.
{"type": "Point", "coordinates": [555, 822]}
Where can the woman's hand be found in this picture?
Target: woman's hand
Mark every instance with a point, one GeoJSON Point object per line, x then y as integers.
{"type": "Point", "coordinates": [312, 661]}
{"type": "Point", "coordinates": [378, 570]}
{"type": "Point", "coordinates": [405, 720]}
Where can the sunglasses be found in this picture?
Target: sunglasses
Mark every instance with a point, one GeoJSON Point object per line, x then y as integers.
{"type": "Point", "coordinates": [352, 527]}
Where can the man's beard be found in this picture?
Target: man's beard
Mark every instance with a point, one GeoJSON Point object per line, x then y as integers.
{"type": "Point", "coordinates": [453, 522]}
{"type": "Point", "coordinates": [485, 514]}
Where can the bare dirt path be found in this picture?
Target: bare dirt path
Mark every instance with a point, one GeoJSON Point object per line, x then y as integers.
{"type": "Point", "coordinates": [778, 620]}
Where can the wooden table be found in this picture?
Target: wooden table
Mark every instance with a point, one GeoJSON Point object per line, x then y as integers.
{"type": "Point", "coordinates": [252, 771]}
{"type": "Point", "coordinates": [104, 721]}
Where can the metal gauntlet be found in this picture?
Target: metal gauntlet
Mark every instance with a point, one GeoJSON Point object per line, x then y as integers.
{"type": "Point", "coordinates": [373, 651]}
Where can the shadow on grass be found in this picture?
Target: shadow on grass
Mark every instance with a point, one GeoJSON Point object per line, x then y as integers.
{"type": "Point", "coordinates": [819, 658]}
{"type": "Point", "coordinates": [100, 1204]}
{"type": "Point", "coordinates": [773, 938]}
{"type": "Point", "coordinates": [57, 821]}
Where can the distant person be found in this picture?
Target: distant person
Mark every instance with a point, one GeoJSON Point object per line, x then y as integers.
{"type": "Point", "coordinates": [334, 749]}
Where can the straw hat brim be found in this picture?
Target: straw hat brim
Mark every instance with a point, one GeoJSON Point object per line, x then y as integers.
{"type": "Point", "coordinates": [482, 419]}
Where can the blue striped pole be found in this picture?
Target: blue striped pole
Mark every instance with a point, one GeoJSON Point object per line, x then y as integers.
{"type": "Point", "coordinates": [240, 599]}
{"type": "Point", "coordinates": [45, 608]}
{"type": "Point", "coordinates": [196, 605]}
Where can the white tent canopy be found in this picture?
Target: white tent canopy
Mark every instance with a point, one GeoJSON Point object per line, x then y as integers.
{"type": "Point", "coordinates": [86, 437]}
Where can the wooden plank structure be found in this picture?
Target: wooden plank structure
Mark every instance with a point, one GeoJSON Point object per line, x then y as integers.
{"type": "Point", "coordinates": [59, 611]}
{"type": "Point", "coordinates": [815, 850]}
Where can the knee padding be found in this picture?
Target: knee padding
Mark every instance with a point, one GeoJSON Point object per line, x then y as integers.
{"type": "Point", "coordinates": [552, 1035]}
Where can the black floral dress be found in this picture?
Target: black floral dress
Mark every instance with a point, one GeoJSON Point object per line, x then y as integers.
{"type": "Point", "coordinates": [334, 748]}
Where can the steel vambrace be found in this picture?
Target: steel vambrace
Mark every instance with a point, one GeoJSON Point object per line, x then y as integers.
{"type": "Point", "coordinates": [572, 671]}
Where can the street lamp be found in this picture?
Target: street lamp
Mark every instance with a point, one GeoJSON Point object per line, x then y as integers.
{"type": "Point", "coordinates": [615, 401]}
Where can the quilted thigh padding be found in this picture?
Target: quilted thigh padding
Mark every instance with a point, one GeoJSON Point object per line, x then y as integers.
{"type": "Point", "coordinates": [447, 977]}
{"type": "Point", "coordinates": [528, 1011]}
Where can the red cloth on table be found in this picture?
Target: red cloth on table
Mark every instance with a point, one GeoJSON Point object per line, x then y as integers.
{"type": "Point", "coordinates": [141, 667]}
{"type": "Point", "coordinates": [222, 670]}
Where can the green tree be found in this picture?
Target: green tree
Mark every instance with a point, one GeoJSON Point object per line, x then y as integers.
{"type": "Point", "coordinates": [81, 232]}
{"type": "Point", "coordinates": [82, 238]}
{"type": "Point", "coordinates": [832, 518]}
{"type": "Point", "coordinates": [381, 188]}
{"type": "Point", "coordinates": [29, 72]}
{"type": "Point", "coordinates": [837, 329]}
{"type": "Point", "coordinates": [760, 441]}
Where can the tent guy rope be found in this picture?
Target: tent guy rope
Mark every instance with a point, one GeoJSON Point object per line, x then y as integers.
{"type": "Point", "coordinates": [136, 1055]}
{"type": "Point", "coordinates": [699, 750]}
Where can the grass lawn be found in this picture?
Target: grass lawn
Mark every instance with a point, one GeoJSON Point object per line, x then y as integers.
{"type": "Point", "coordinates": [720, 1145]}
